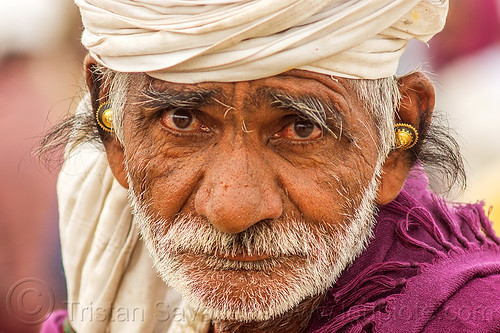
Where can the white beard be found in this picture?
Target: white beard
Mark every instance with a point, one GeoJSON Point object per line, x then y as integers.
{"type": "Point", "coordinates": [305, 259]}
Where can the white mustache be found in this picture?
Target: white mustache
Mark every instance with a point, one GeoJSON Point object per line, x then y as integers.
{"type": "Point", "coordinates": [286, 236]}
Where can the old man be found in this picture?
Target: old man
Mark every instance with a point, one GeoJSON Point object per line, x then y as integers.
{"type": "Point", "coordinates": [262, 171]}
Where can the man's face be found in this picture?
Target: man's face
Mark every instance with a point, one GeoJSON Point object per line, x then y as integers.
{"type": "Point", "coordinates": [248, 206]}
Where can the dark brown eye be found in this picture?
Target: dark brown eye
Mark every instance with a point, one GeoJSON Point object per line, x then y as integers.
{"type": "Point", "coordinates": [182, 119]}
{"type": "Point", "coordinates": [304, 128]}
{"type": "Point", "coordinates": [300, 130]}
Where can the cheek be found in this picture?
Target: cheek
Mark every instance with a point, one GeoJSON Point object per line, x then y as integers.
{"type": "Point", "coordinates": [163, 182]}
{"type": "Point", "coordinates": [331, 191]}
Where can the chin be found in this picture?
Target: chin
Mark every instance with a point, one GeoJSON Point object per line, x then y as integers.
{"type": "Point", "coordinates": [229, 291]}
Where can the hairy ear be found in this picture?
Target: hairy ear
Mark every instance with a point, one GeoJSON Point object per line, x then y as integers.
{"type": "Point", "coordinates": [97, 87]}
{"type": "Point", "coordinates": [99, 94]}
{"type": "Point", "coordinates": [415, 108]}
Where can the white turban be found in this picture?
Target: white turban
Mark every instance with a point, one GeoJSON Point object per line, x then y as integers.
{"type": "Point", "coordinates": [236, 40]}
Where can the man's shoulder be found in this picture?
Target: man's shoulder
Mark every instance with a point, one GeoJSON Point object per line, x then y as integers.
{"type": "Point", "coordinates": [472, 308]}
{"type": "Point", "coordinates": [457, 257]}
{"type": "Point", "coordinates": [458, 292]}
{"type": "Point", "coordinates": [429, 262]}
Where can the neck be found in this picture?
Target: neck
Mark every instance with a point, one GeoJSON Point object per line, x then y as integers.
{"type": "Point", "coordinates": [294, 321]}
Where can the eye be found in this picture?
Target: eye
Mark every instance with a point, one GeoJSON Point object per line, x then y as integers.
{"type": "Point", "coordinates": [183, 121]}
{"type": "Point", "coordinates": [301, 130]}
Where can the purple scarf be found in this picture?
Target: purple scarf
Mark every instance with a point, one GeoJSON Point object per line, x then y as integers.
{"type": "Point", "coordinates": [430, 267]}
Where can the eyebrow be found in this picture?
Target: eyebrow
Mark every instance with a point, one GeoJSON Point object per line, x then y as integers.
{"type": "Point", "coordinates": [170, 99]}
{"type": "Point", "coordinates": [315, 109]}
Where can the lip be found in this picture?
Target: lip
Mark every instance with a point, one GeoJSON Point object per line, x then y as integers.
{"type": "Point", "coordinates": [245, 258]}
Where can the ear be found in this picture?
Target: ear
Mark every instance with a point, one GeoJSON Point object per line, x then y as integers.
{"type": "Point", "coordinates": [116, 159]}
{"type": "Point", "coordinates": [98, 95]}
{"type": "Point", "coordinates": [415, 108]}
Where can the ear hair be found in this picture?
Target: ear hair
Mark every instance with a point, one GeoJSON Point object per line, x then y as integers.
{"type": "Point", "coordinates": [98, 85]}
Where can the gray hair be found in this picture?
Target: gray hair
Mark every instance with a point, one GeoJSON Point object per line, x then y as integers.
{"type": "Point", "coordinates": [118, 85]}
{"type": "Point", "coordinates": [381, 98]}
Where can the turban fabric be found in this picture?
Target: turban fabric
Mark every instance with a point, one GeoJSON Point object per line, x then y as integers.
{"type": "Point", "coordinates": [235, 40]}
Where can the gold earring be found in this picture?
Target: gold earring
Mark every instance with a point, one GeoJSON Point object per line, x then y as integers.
{"type": "Point", "coordinates": [406, 136]}
{"type": "Point", "coordinates": [104, 116]}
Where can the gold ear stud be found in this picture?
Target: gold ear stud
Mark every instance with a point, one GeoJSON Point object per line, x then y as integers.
{"type": "Point", "coordinates": [406, 136]}
{"type": "Point", "coordinates": [104, 116]}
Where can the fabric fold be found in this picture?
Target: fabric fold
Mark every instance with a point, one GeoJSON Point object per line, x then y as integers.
{"type": "Point", "coordinates": [196, 41]}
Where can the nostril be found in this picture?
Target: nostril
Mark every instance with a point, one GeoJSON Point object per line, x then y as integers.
{"type": "Point", "coordinates": [273, 206]}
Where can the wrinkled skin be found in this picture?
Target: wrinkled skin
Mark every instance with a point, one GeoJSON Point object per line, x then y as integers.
{"type": "Point", "coordinates": [243, 160]}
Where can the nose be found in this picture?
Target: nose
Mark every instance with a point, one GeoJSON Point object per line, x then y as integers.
{"type": "Point", "coordinates": [238, 191]}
